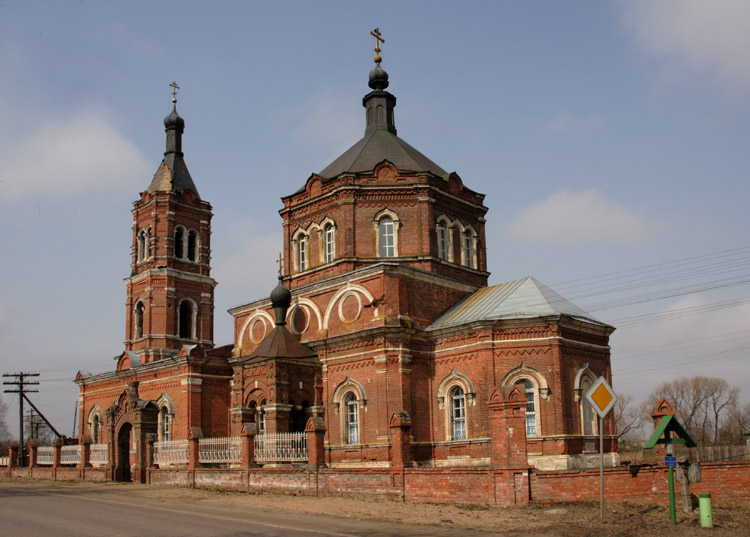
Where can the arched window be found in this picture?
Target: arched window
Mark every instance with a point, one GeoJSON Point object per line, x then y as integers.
{"type": "Point", "coordinates": [139, 311]}
{"type": "Point", "coordinates": [458, 413]}
{"type": "Point", "coordinates": [186, 320]}
{"type": "Point", "coordinates": [192, 245]}
{"type": "Point", "coordinates": [164, 424]}
{"type": "Point", "coordinates": [531, 405]}
{"type": "Point", "coordinates": [442, 238]}
{"type": "Point", "coordinates": [179, 239]}
{"type": "Point", "coordinates": [351, 419]}
{"type": "Point", "coordinates": [588, 415]}
{"type": "Point", "coordinates": [262, 417]}
{"type": "Point", "coordinates": [302, 253]}
{"type": "Point", "coordinates": [468, 248]}
{"type": "Point", "coordinates": [140, 246]}
{"type": "Point", "coordinates": [330, 243]}
{"type": "Point", "coordinates": [147, 244]}
{"type": "Point", "coordinates": [95, 426]}
{"type": "Point", "coordinates": [387, 237]}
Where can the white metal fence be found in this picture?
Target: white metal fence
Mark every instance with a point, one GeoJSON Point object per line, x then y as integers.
{"type": "Point", "coordinates": [221, 449]}
{"type": "Point", "coordinates": [281, 447]}
{"type": "Point", "coordinates": [4, 461]}
{"type": "Point", "coordinates": [99, 454]}
{"type": "Point", "coordinates": [171, 452]}
{"type": "Point", "coordinates": [45, 456]}
{"type": "Point", "coordinates": [69, 455]}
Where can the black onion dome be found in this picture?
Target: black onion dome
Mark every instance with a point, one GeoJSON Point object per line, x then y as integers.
{"type": "Point", "coordinates": [281, 299]}
{"type": "Point", "coordinates": [174, 120]}
{"type": "Point", "coordinates": [378, 78]}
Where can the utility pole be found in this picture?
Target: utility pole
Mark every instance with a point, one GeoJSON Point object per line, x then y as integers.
{"type": "Point", "coordinates": [21, 382]}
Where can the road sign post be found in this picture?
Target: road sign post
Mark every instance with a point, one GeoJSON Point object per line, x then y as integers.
{"type": "Point", "coordinates": [602, 398]}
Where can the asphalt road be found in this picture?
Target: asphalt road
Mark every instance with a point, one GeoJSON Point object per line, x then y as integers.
{"type": "Point", "coordinates": [35, 510]}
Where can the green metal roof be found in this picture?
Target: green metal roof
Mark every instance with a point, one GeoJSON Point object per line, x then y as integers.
{"type": "Point", "coordinates": [668, 426]}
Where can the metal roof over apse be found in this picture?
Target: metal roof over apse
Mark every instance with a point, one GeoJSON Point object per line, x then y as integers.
{"type": "Point", "coordinates": [518, 299]}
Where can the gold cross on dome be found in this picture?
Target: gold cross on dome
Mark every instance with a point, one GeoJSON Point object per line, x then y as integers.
{"type": "Point", "coordinates": [174, 87]}
{"type": "Point", "coordinates": [280, 261]}
{"type": "Point", "coordinates": [376, 34]}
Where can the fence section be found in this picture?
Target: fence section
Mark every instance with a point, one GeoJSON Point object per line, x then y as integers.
{"type": "Point", "coordinates": [69, 455]}
{"type": "Point", "coordinates": [99, 454]}
{"type": "Point", "coordinates": [171, 452]}
{"type": "Point", "coordinates": [696, 454]}
{"type": "Point", "coordinates": [4, 461]}
{"type": "Point", "coordinates": [227, 449]}
{"type": "Point", "coordinates": [45, 456]}
{"type": "Point", "coordinates": [281, 447]}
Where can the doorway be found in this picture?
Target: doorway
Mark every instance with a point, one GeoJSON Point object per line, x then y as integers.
{"type": "Point", "coordinates": [122, 470]}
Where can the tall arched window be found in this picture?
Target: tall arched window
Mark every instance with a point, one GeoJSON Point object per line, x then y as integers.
{"type": "Point", "coordinates": [192, 245]}
{"type": "Point", "coordinates": [147, 244]}
{"type": "Point", "coordinates": [351, 419]}
{"type": "Point", "coordinates": [96, 429]}
{"type": "Point", "coordinates": [442, 238]}
{"type": "Point", "coordinates": [262, 417]}
{"type": "Point", "coordinates": [164, 424]}
{"type": "Point", "coordinates": [588, 415]}
{"type": "Point", "coordinates": [531, 424]}
{"type": "Point", "coordinates": [387, 237]}
{"type": "Point", "coordinates": [458, 413]}
{"type": "Point", "coordinates": [186, 320]}
{"type": "Point", "coordinates": [140, 246]}
{"type": "Point", "coordinates": [330, 243]}
{"type": "Point", "coordinates": [179, 240]}
{"type": "Point", "coordinates": [138, 320]}
{"type": "Point", "coordinates": [468, 248]}
{"type": "Point", "coordinates": [302, 252]}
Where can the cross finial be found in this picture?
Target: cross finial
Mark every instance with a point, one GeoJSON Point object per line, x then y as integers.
{"type": "Point", "coordinates": [281, 267]}
{"type": "Point", "coordinates": [376, 34]}
{"type": "Point", "coordinates": [174, 87]}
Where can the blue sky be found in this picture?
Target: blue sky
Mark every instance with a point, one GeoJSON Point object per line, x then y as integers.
{"type": "Point", "coordinates": [609, 137]}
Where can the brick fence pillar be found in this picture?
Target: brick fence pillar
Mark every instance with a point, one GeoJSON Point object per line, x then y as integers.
{"type": "Point", "coordinates": [194, 448]}
{"type": "Point", "coordinates": [508, 456]}
{"type": "Point", "coordinates": [316, 432]}
{"type": "Point", "coordinates": [150, 440]}
{"type": "Point", "coordinates": [400, 426]}
{"type": "Point", "coordinates": [57, 445]}
{"type": "Point", "coordinates": [13, 448]}
{"type": "Point", "coordinates": [247, 434]}
{"type": "Point", "coordinates": [85, 443]}
{"type": "Point", "coordinates": [33, 452]}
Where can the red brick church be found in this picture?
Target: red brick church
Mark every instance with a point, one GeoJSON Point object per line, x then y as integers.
{"type": "Point", "coordinates": [382, 318]}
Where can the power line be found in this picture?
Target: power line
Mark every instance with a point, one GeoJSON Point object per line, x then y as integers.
{"type": "Point", "coordinates": [21, 382]}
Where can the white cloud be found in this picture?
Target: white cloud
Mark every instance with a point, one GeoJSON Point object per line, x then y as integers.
{"type": "Point", "coordinates": [580, 217]}
{"type": "Point", "coordinates": [565, 124]}
{"type": "Point", "coordinates": [706, 36]}
{"type": "Point", "coordinates": [63, 156]}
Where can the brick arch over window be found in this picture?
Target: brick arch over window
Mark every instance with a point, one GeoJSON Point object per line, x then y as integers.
{"type": "Point", "coordinates": [383, 244]}
{"type": "Point", "coordinates": [455, 394]}
{"type": "Point", "coordinates": [340, 294]}
{"type": "Point", "coordinates": [95, 421]}
{"type": "Point", "coordinates": [165, 417]}
{"type": "Point", "coordinates": [301, 250]}
{"type": "Point", "coordinates": [444, 237]}
{"type": "Point", "coordinates": [258, 315]}
{"type": "Point", "coordinates": [187, 319]}
{"type": "Point", "coordinates": [346, 386]}
{"type": "Point", "coordinates": [524, 371]}
{"type": "Point", "coordinates": [454, 378]}
{"type": "Point", "coordinates": [139, 314]}
{"type": "Point", "coordinates": [585, 378]}
{"type": "Point", "coordinates": [327, 235]}
{"type": "Point", "coordinates": [535, 387]}
{"type": "Point", "coordinates": [468, 244]}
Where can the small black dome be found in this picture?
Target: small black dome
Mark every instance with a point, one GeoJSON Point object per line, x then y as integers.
{"type": "Point", "coordinates": [174, 120]}
{"type": "Point", "coordinates": [378, 78]}
{"type": "Point", "coordinates": [281, 299]}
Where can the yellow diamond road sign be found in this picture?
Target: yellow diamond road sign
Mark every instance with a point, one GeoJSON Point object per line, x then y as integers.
{"type": "Point", "coordinates": [601, 396]}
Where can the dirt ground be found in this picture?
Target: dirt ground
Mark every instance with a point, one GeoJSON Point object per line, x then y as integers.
{"type": "Point", "coordinates": [565, 520]}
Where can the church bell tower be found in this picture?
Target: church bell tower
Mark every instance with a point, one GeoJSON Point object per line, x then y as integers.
{"type": "Point", "coordinates": [170, 292]}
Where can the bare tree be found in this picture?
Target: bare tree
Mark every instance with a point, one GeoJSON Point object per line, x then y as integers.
{"type": "Point", "coordinates": [701, 404]}
{"type": "Point", "coordinates": [4, 432]}
{"type": "Point", "coordinates": [629, 421]}
{"type": "Point", "coordinates": [735, 424]}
